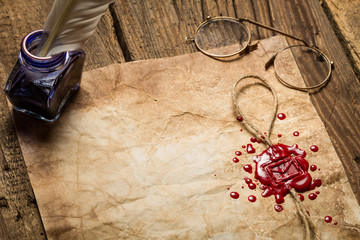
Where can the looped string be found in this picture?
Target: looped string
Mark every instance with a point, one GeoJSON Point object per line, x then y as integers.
{"type": "Point", "coordinates": [310, 230]}
{"type": "Point", "coordinates": [245, 119]}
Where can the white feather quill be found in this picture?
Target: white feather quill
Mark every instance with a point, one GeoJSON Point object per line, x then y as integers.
{"type": "Point", "coordinates": [69, 24]}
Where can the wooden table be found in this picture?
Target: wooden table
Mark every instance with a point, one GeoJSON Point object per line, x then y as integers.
{"type": "Point", "coordinates": [143, 29]}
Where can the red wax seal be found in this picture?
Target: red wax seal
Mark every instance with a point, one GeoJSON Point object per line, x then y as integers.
{"type": "Point", "coordinates": [281, 168]}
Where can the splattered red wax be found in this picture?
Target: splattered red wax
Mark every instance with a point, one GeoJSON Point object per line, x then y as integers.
{"type": "Point", "coordinates": [278, 208]}
{"type": "Point", "coordinates": [296, 133]}
{"type": "Point", "coordinates": [281, 168]}
{"type": "Point", "coordinates": [247, 180]}
{"type": "Point", "coordinates": [313, 167]}
{"type": "Point", "coordinates": [252, 198]}
{"type": "Point", "coordinates": [301, 197]}
{"type": "Point", "coordinates": [317, 192]}
{"type": "Point", "coordinates": [234, 195]}
{"type": "Point", "coordinates": [316, 183]}
{"type": "Point", "coordinates": [252, 186]}
{"type": "Point", "coordinates": [238, 153]}
{"type": "Point", "coordinates": [279, 135]}
{"type": "Point", "coordinates": [312, 196]}
{"type": "Point", "coordinates": [314, 148]}
{"type": "Point", "coordinates": [248, 168]}
{"type": "Point", "coordinates": [328, 219]}
{"type": "Point", "coordinates": [243, 146]}
{"type": "Point", "coordinates": [250, 148]}
{"type": "Point", "coordinates": [235, 160]}
{"type": "Point", "coordinates": [239, 118]}
{"type": "Point", "coordinates": [281, 116]}
{"type": "Point", "coordinates": [253, 139]}
{"type": "Point", "coordinates": [335, 223]}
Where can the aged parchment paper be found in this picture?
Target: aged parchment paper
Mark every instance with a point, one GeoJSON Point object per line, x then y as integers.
{"type": "Point", "coordinates": [145, 151]}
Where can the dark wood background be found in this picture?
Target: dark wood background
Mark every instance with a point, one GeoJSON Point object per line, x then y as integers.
{"type": "Point", "coordinates": [143, 29]}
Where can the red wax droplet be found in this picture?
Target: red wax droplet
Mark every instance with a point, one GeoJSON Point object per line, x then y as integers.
{"type": "Point", "coordinates": [238, 153]}
{"type": "Point", "coordinates": [296, 133]}
{"type": "Point", "coordinates": [248, 168]}
{"type": "Point", "coordinates": [242, 187]}
{"type": "Point", "coordinates": [228, 188]}
{"type": "Point", "coordinates": [234, 195]}
{"type": "Point", "coordinates": [241, 130]}
{"type": "Point", "coordinates": [281, 116]}
{"type": "Point", "coordinates": [239, 118]}
{"type": "Point", "coordinates": [301, 197]}
{"type": "Point", "coordinates": [308, 212]}
{"type": "Point", "coordinates": [316, 183]}
{"type": "Point", "coordinates": [236, 160]}
{"type": "Point", "coordinates": [263, 137]}
{"type": "Point", "coordinates": [313, 167]}
{"type": "Point", "coordinates": [314, 148]}
{"type": "Point", "coordinates": [248, 180]}
{"type": "Point", "coordinates": [278, 208]}
{"type": "Point", "coordinates": [335, 223]}
{"type": "Point", "coordinates": [279, 135]}
{"type": "Point", "coordinates": [250, 148]}
{"type": "Point", "coordinates": [243, 146]}
{"type": "Point", "coordinates": [252, 198]}
{"type": "Point", "coordinates": [252, 186]}
{"type": "Point", "coordinates": [317, 192]}
{"type": "Point", "coordinates": [328, 219]}
{"type": "Point", "coordinates": [312, 196]}
{"type": "Point", "coordinates": [253, 139]}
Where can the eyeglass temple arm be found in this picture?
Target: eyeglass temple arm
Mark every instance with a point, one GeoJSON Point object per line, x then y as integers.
{"type": "Point", "coordinates": [271, 60]}
{"type": "Point", "coordinates": [273, 29]}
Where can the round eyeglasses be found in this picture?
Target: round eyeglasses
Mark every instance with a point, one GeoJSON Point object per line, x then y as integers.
{"type": "Point", "coordinates": [223, 37]}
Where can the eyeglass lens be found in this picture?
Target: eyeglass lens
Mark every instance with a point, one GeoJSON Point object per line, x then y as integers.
{"type": "Point", "coordinates": [222, 37]}
{"type": "Point", "coordinates": [302, 67]}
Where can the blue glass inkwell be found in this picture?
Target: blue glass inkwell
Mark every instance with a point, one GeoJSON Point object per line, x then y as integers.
{"type": "Point", "coordinates": [41, 86]}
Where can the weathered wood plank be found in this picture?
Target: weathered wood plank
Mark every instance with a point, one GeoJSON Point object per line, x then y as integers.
{"type": "Point", "coordinates": [19, 215]}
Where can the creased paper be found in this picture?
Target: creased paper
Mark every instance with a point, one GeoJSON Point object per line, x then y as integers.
{"type": "Point", "coordinates": [145, 150]}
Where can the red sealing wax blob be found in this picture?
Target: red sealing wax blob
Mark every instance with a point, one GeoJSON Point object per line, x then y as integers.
{"type": "Point", "coordinates": [252, 198]}
{"type": "Point", "coordinates": [314, 148]}
{"type": "Point", "coordinates": [281, 116]}
{"type": "Point", "coordinates": [328, 219]}
{"type": "Point", "coordinates": [238, 153]}
{"type": "Point", "coordinates": [301, 197]}
{"type": "Point", "coordinates": [234, 195]}
{"type": "Point", "coordinates": [253, 139]}
{"type": "Point", "coordinates": [250, 148]}
{"type": "Point", "coordinates": [252, 186]}
{"type": "Point", "coordinates": [296, 133]}
{"type": "Point", "coordinates": [313, 167]}
{"type": "Point", "coordinates": [281, 168]}
{"type": "Point", "coordinates": [247, 180]}
{"type": "Point", "coordinates": [239, 118]}
{"type": "Point", "coordinates": [248, 168]}
{"type": "Point", "coordinates": [235, 160]}
{"type": "Point", "coordinates": [278, 208]}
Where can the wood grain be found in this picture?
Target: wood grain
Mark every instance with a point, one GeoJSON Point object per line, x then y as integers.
{"type": "Point", "coordinates": [136, 29]}
{"type": "Point", "coordinates": [19, 215]}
